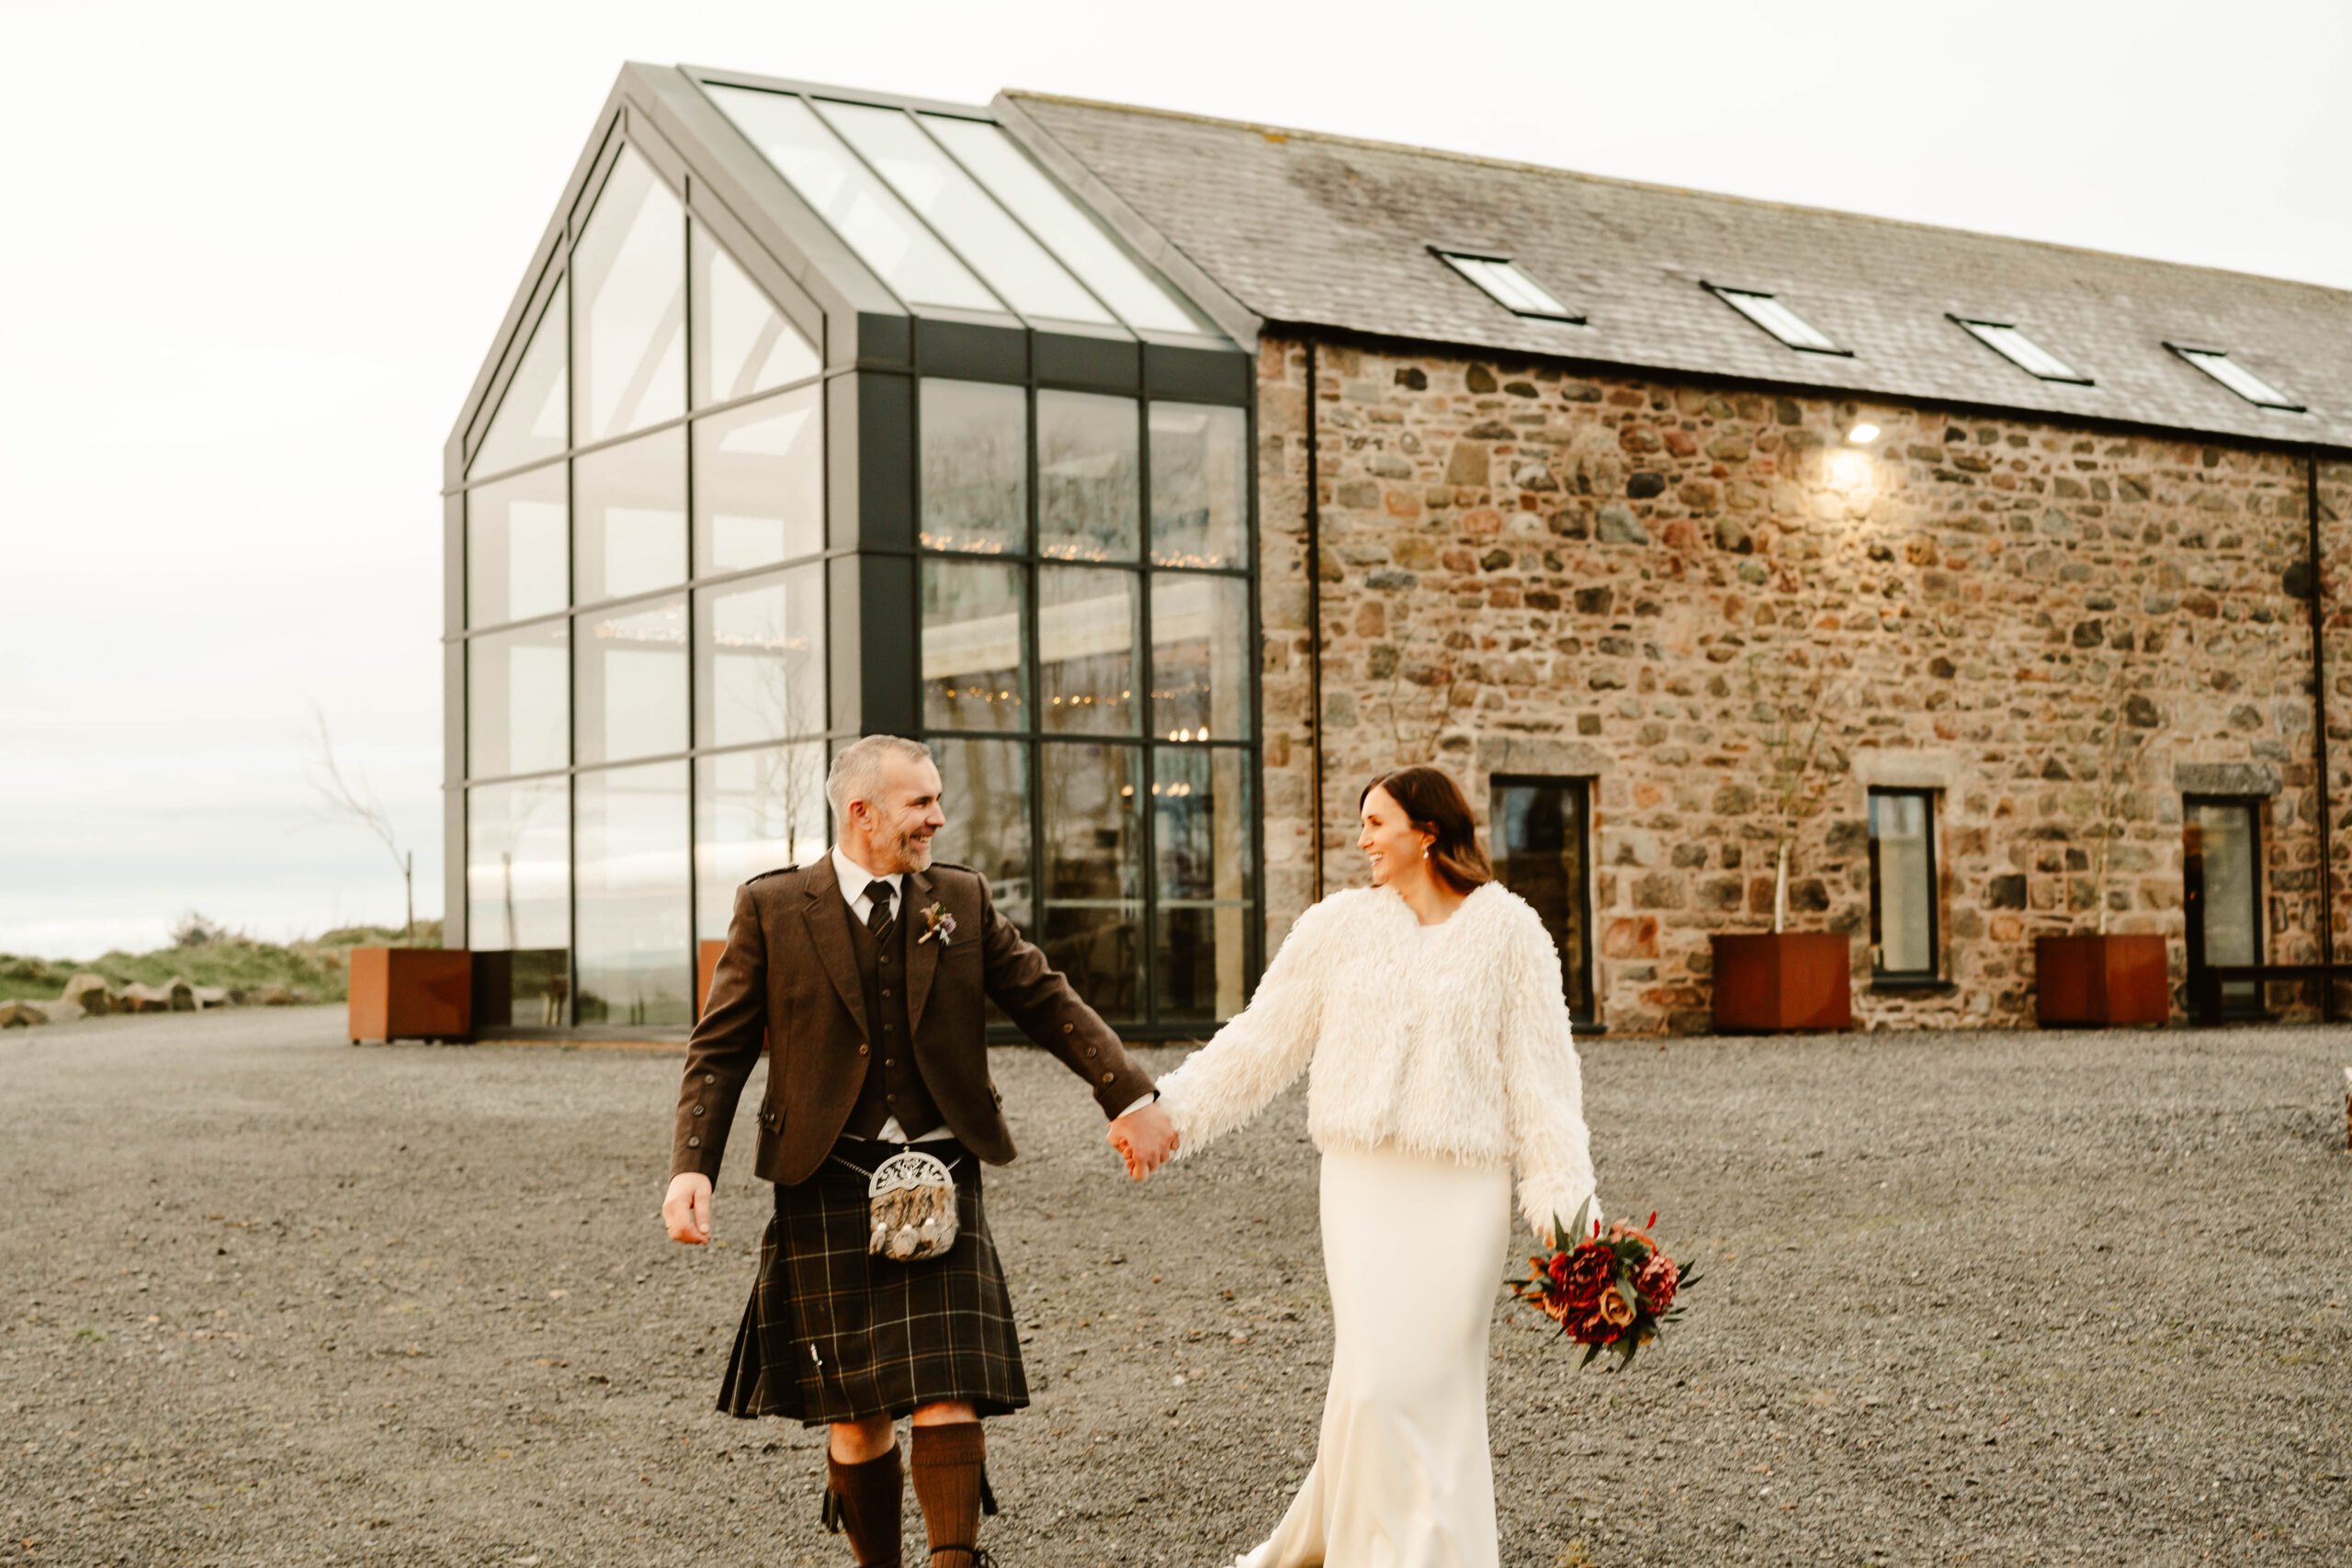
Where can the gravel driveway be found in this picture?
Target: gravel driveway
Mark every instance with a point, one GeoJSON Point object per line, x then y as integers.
{"type": "Point", "coordinates": [2009, 1298]}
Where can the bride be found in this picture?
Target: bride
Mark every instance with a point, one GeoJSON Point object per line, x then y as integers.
{"type": "Point", "coordinates": [1429, 1011]}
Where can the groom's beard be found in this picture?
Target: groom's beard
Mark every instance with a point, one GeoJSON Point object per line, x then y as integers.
{"type": "Point", "coordinates": [914, 852]}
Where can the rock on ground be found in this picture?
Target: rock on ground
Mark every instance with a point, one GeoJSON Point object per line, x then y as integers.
{"type": "Point", "coordinates": [2077, 1298]}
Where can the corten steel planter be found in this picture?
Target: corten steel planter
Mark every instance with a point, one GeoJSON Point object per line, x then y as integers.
{"type": "Point", "coordinates": [2101, 980]}
{"type": "Point", "coordinates": [412, 993]}
{"type": "Point", "coordinates": [1770, 981]}
{"type": "Point", "coordinates": [707, 965]}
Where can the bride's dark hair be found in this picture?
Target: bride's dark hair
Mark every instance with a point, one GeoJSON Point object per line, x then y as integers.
{"type": "Point", "coordinates": [1432, 800]}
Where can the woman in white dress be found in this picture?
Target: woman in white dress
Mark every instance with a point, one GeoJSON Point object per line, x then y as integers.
{"type": "Point", "coordinates": [1429, 1012]}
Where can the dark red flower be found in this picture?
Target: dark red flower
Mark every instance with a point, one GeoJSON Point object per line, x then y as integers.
{"type": "Point", "coordinates": [1656, 1280]}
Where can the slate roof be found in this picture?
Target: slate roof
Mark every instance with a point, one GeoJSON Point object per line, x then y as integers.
{"type": "Point", "coordinates": [1280, 226]}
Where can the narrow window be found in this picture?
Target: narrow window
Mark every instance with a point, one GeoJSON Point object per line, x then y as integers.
{"type": "Point", "coordinates": [1903, 884]}
{"type": "Point", "coordinates": [2021, 351]}
{"type": "Point", "coordinates": [1542, 836]}
{"type": "Point", "coordinates": [2221, 891]}
{"type": "Point", "coordinates": [2217, 363]}
{"type": "Point", "coordinates": [1767, 311]}
{"type": "Point", "coordinates": [1502, 281]}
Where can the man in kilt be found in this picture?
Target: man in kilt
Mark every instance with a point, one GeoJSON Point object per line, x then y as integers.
{"type": "Point", "coordinates": [864, 975]}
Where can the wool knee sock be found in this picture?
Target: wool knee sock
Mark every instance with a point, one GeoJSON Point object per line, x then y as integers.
{"type": "Point", "coordinates": [866, 1497]}
{"type": "Point", "coordinates": [948, 1460]}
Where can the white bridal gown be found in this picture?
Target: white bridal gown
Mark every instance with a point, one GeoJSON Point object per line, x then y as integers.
{"type": "Point", "coordinates": [1413, 1248]}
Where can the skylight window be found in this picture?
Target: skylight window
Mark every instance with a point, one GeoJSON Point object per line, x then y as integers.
{"type": "Point", "coordinates": [1499, 279]}
{"type": "Point", "coordinates": [2218, 364]}
{"type": "Point", "coordinates": [2022, 351]}
{"type": "Point", "coordinates": [1767, 312]}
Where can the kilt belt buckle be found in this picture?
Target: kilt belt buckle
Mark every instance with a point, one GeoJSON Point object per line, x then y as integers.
{"type": "Point", "coordinates": [911, 1207]}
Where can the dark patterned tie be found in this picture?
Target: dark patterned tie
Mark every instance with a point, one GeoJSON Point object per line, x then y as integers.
{"type": "Point", "coordinates": [877, 920]}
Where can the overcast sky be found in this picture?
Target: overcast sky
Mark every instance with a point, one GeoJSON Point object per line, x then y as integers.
{"type": "Point", "coordinates": [256, 255]}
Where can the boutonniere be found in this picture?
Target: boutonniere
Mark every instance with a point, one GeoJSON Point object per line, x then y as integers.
{"type": "Point", "coordinates": [939, 924]}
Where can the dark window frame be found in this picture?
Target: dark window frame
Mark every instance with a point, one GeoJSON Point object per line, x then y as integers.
{"type": "Point", "coordinates": [1037, 742]}
{"type": "Point", "coordinates": [2244, 998]}
{"type": "Point", "coordinates": [1582, 1010]}
{"type": "Point", "coordinates": [1969, 323]}
{"type": "Point", "coordinates": [1934, 973]}
{"type": "Point", "coordinates": [2187, 352]}
{"type": "Point", "coordinates": [1453, 255]}
{"type": "Point", "coordinates": [1725, 291]}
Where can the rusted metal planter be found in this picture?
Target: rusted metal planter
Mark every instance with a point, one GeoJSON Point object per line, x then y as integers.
{"type": "Point", "coordinates": [2101, 981]}
{"type": "Point", "coordinates": [412, 993]}
{"type": "Point", "coordinates": [1766, 982]}
{"type": "Point", "coordinates": [707, 965]}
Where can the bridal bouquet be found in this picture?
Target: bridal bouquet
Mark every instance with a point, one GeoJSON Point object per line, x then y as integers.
{"type": "Point", "coordinates": [1607, 1293]}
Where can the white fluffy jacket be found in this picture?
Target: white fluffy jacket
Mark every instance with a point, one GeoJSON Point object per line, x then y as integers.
{"type": "Point", "coordinates": [1449, 1041]}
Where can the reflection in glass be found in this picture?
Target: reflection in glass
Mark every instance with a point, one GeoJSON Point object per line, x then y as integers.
{"type": "Point", "coordinates": [760, 482]}
{"type": "Point", "coordinates": [630, 269]}
{"type": "Point", "coordinates": [517, 548]}
{"type": "Point", "coordinates": [1200, 494]}
{"type": "Point", "coordinates": [1088, 477]}
{"type": "Point", "coordinates": [1087, 636]}
{"type": "Point", "coordinates": [632, 681]}
{"type": "Point", "coordinates": [1054, 217]}
{"type": "Point", "coordinates": [635, 963]}
{"type": "Point", "coordinates": [973, 673]}
{"type": "Point", "coordinates": [1200, 673]}
{"type": "Point", "coordinates": [760, 659]}
{"type": "Point", "coordinates": [966, 216]}
{"type": "Point", "coordinates": [742, 343]}
{"type": "Point", "coordinates": [975, 466]}
{"type": "Point", "coordinates": [518, 901]}
{"type": "Point", "coordinates": [1907, 882]}
{"type": "Point", "coordinates": [1091, 927]}
{"type": "Point", "coordinates": [529, 424]}
{"type": "Point", "coordinates": [1201, 833]}
{"type": "Point", "coordinates": [984, 793]}
{"type": "Point", "coordinates": [859, 207]}
{"type": "Point", "coordinates": [2220, 835]}
{"type": "Point", "coordinates": [629, 532]}
{"type": "Point", "coordinates": [754, 811]}
{"type": "Point", "coordinates": [1539, 838]}
{"type": "Point", "coordinates": [516, 705]}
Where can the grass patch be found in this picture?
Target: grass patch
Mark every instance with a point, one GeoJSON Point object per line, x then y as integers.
{"type": "Point", "coordinates": [315, 966]}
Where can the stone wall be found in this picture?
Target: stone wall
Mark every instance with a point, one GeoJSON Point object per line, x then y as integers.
{"type": "Point", "coordinates": [1531, 571]}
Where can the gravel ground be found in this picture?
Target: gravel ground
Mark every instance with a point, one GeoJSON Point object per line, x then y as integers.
{"type": "Point", "coordinates": [2008, 1297]}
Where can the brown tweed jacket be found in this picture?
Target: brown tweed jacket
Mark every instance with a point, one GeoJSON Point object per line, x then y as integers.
{"type": "Point", "coordinates": [788, 975]}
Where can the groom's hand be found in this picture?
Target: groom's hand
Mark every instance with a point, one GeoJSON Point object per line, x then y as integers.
{"type": "Point", "coordinates": [1145, 1137]}
{"type": "Point", "coordinates": [686, 1208]}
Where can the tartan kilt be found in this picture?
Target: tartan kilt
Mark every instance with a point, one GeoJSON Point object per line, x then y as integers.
{"type": "Point", "coordinates": [832, 1333]}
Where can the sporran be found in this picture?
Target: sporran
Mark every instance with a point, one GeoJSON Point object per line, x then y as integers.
{"type": "Point", "coordinates": [910, 1208]}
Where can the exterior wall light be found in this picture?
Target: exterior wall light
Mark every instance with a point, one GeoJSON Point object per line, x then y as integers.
{"type": "Point", "coordinates": [1861, 434]}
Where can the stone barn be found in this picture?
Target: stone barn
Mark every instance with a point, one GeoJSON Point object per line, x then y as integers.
{"type": "Point", "coordinates": [1751, 564]}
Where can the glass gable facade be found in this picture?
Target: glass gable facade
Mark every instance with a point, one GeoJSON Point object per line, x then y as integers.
{"type": "Point", "coordinates": [922, 449]}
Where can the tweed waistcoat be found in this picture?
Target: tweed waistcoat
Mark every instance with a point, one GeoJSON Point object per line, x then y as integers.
{"type": "Point", "coordinates": [893, 1087]}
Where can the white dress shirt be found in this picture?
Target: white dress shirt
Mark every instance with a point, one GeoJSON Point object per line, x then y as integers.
{"type": "Point", "coordinates": [854, 880]}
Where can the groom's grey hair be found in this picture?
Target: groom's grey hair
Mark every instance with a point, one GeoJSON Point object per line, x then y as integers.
{"type": "Point", "coordinates": [857, 773]}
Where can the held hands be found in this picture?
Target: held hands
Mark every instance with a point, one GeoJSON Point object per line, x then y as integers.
{"type": "Point", "coordinates": [686, 1208]}
{"type": "Point", "coordinates": [1145, 1138]}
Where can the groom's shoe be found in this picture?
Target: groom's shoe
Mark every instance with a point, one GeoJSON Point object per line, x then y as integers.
{"type": "Point", "coordinates": [861, 1501]}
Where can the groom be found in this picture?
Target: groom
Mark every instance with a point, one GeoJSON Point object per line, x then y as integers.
{"type": "Point", "coordinates": [867, 972]}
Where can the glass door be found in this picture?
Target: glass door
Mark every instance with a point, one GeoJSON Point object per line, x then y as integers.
{"type": "Point", "coordinates": [2223, 840]}
{"type": "Point", "coordinates": [1541, 828]}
